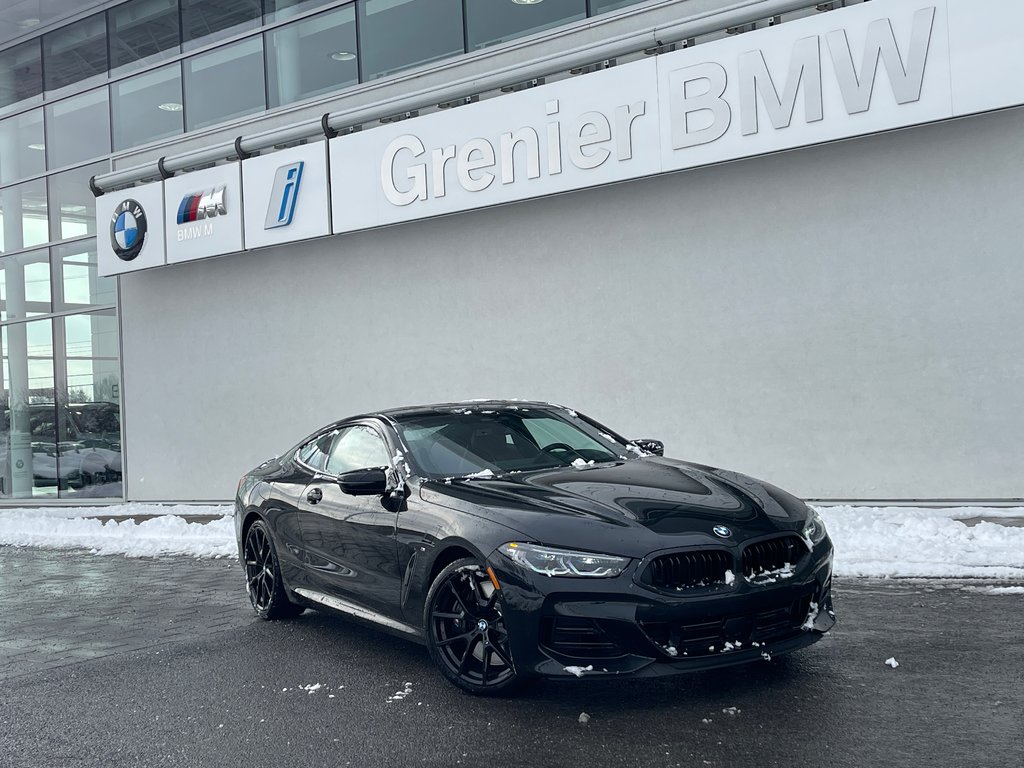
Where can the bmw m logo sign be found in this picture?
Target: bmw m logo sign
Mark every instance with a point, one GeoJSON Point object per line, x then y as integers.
{"type": "Point", "coordinates": [128, 230]}
{"type": "Point", "coordinates": [202, 205]}
{"type": "Point", "coordinates": [722, 532]}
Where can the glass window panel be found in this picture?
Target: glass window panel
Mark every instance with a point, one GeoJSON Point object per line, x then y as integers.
{"type": "Point", "coordinates": [314, 453]}
{"type": "Point", "coordinates": [22, 146]}
{"type": "Point", "coordinates": [21, 73]}
{"type": "Point", "coordinates": [489, 22]}
{"type": "Point", "coordinates": [77, 129]}
{"type": "Point", "coordinates": [23, 221]}
{"type": "Point", "coordinates": [147, 107]}
{"type": "Point", "coordinates": [206, 21]}
{"type": "Point", "coordinates": [142, 32]}
{"type": "Point", "coordinates": [80, 286]}
{"type": "Point", "coordinates": [357, 448]}
{"type": "Point", "coordinates": [72, 203]}
{"type": "Point", "coordinates": [90, 423]}
{"type": "Point", "coordinates": [24, 285]}
{"type": "Point", "coordinates": [28, 430]}
{"type": "Point", "coordinates": [279, 10]}
{"type": "Point", "coordinates": [75, 52]}
{"type": "Point", "coordinates": [224, 83]}
{"type": "Point", "coordinates": [312, 56]}
{"type": "Point", "coordinates": [603, 6]}
{"type": "Point", "coordinates": [397, 34]}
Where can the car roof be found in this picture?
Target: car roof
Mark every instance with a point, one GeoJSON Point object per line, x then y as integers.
{"type": "Point", "coordinates": [464, 405]}
{"type": "Point", "coordinates": [397, 414]}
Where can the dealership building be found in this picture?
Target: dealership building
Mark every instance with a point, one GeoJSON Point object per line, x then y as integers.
{"type": "Point", "coordinates": [782, 236]}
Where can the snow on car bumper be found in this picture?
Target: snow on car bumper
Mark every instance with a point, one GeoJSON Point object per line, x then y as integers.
{"type": "Point", "coordinates": [561, 627]}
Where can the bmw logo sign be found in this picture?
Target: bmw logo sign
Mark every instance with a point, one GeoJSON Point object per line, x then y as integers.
{"type": "Point", "coordinates": [128, 230]}
{"type": "Point", "coordinates": [722, 531]}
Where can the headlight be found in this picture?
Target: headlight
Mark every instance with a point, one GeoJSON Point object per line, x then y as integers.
{"type": "Point", "coordinates": [814, 528]}
{"type": "Point", "coordinates": [563, 562]}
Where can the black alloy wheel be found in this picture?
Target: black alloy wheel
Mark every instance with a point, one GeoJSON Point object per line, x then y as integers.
{"type": "Point", "coordinates": [466, 633]}
{"type": "Point", "coordinates": [263, 576]}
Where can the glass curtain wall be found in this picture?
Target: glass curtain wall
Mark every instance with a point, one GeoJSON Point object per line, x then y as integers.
{"type": "Point", "coordinates": [313, 56]}
{"type": "Point", "coordinates": [224, 83]}
{"type": "Point", "coordinates": [275, 53]}
{"type": "Point", "coordinates": [489, 22]}
{"type": "Point", "coordinates": [76, 53]}
{"type": "Point", "coordinates": [147, 107]}
{"type": "Point", "coordinates": [21, 74]}
{"type": "Point", "coordinates": [141, 33]}
{"type": "Point", "coordinates": [399, 34]}
{"type": "Point", "coordinates": [60, 434]}
{"type": "Point", "coordinates": [77, 128]}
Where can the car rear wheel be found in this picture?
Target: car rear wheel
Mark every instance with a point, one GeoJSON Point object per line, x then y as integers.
{"type": "Point", "coordinates": [465, 630]}
{"type": "Point", "coordinates": [263, 580]}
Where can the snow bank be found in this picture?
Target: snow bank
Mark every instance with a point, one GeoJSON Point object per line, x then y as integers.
{"type": "Point", "coordinates": [870, 541]}
{"type": "Point", "coordinates": [133, 509]}
{"type": "Point", "coordinates": [168, 534]}
{"type": "Point", "coordinates": [909, 541]}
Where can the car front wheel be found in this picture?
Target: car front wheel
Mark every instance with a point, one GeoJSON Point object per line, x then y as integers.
{"type": "Point", "coordinates": [263, 576]}
{"type": "Point", "coordinates": [465, 629]}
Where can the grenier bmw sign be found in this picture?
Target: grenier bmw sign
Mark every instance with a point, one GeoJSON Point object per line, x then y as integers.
{"type": "Point", "coordinates": [854, 71]}
{"type": "Point", "coordinates": [858, 70]}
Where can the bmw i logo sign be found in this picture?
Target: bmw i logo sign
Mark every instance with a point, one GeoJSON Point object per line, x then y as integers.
{"type": "Point", "coordinates": [722, 531]}
{"type": "Point", "coordinates": [128, 230]}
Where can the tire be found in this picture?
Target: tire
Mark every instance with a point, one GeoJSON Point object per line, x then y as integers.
{"type": "Point", "coordinates": [465, 631]}
{"type": "Point", "coordinates": [263, 581]}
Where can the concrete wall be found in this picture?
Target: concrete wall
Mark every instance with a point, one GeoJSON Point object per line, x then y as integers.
{"type": "Point", "coordinates": [844, 321]}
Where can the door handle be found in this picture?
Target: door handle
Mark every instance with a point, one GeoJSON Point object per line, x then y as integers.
{"type": "Point", "coordinates": [315, 496]}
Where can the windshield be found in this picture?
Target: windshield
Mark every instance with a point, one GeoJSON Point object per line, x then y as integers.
{"type": "Point", "coordinates": [485, 443]}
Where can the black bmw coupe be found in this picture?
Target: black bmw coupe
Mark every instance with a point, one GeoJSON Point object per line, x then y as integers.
{"type": "Point", "coordinates": [520, 539]}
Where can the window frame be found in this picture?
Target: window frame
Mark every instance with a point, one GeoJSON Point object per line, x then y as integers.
{"type": "Point", "coordinates": [387, 449]}
{"type": "Point", "coordinates": [297, 457]}
{"type": "Point", "coordinates": [335, 430]}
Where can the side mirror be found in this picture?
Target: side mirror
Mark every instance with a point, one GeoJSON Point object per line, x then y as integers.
{"type": "Point", "coordinates": [651, 446]}
{"type": "Point", "coordinates": [364, 482]}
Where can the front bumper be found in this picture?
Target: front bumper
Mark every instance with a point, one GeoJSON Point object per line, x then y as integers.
{"type": "Point", "coordinates": [561, 626]}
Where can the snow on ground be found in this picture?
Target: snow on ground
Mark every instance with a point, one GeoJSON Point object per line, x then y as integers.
{"type": "Point", "coordinates": [921, 542]}
{"type": "Point", "coordinates": [870, 541]}
{"type": "Point", "coordinates": [167, 534]}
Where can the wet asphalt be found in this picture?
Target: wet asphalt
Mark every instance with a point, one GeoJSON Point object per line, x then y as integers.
{"type": "Point", "coordinates": [107, 661]}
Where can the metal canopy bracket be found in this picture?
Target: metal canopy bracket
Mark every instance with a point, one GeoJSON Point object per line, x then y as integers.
{"type": "Point", "coordinates": [329, 132]}
{"type": "Point", "coordinates": [240, 153]}
{"type": "Point", "coordinates": [162, 169]}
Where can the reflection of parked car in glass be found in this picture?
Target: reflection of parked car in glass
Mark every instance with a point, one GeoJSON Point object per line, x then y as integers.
{"type": "Point", "coordinates": [97, 424]}
{"type": "Point", "coordinates": [89, 454]}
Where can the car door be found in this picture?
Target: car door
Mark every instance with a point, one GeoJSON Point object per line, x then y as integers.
{"type": "Point", "coordinates": [350, 540]}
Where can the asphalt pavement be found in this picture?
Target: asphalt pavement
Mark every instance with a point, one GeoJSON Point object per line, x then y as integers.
{"type": "Point", "coordinates": [109, 661]}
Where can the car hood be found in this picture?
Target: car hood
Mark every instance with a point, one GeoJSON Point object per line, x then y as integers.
{"type": "Point", "coordinates": [630, 507]}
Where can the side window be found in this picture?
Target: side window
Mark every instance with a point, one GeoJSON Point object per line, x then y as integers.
{"type": "Point", "coordinates": [314, 453]}
{"type": "Point", "coordinates": [357, 447]}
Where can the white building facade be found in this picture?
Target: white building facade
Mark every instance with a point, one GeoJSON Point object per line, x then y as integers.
{"type": "Point", "coordinates": [778, 236]}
